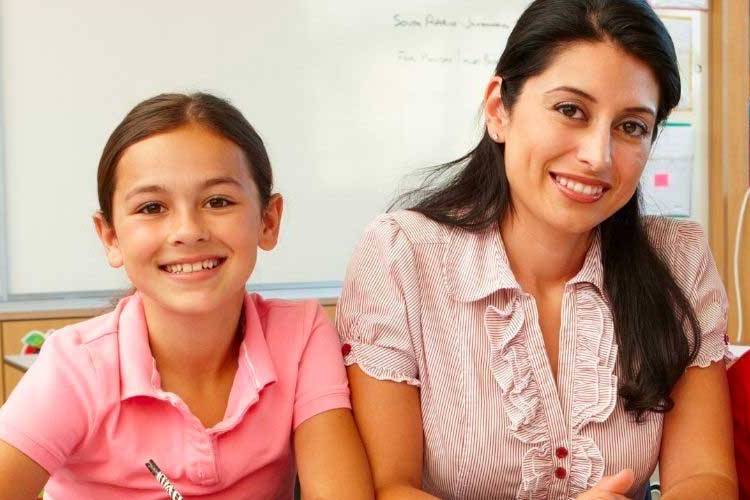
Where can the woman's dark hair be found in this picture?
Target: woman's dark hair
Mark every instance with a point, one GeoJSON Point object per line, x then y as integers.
{"type": "Point", "coordinates": [650, 310]}
{"type": "Point", "coordinates": [166, 112]}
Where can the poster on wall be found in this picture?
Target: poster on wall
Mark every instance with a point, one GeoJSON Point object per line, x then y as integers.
{"type": "Point", "coordinates": [666, 183]}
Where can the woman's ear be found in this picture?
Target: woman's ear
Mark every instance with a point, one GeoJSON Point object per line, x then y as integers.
{"type": "Point", "coordinates": [109, 240]}
{"type": "Point", "coordinates": [271, 222]}
{"type": "Point", "coordinates": [495, 114]}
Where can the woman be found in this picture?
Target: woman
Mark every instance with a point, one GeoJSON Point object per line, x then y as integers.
{"type": "Point", "coordinates": [522, 332]}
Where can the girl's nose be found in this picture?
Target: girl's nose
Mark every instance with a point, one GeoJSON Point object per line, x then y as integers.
{"type": "Point", "coordinates": [189, 229]}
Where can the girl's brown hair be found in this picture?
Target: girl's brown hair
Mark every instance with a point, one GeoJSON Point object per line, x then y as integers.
{"type": "Point", "coordinates": [166, 112]}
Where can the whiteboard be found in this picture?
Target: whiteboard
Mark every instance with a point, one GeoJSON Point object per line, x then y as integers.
{"type": "Point", "coordinates": [350, 98]}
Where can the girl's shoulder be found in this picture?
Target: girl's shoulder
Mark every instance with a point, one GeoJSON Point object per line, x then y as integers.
{"type": "Point", "coordinates": [291, 319]}
{"type": "Point", "coordinates": [292, 330]}
{"type": "Point", "coordinates": [84, 341]}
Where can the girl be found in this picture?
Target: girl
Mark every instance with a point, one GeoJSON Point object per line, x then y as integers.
{"type": "Point", "coordinates": [533, 335]}
{"type": "Point", "coordinates": [225, 391]}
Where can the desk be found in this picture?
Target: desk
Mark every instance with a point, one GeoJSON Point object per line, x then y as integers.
{"type": "Point", "coordinates": [21, 361]}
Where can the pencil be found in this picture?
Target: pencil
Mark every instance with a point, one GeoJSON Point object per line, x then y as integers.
{"type": "Point", "coordinates": [163, 480]}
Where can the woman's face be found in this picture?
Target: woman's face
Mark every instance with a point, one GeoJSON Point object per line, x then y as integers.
{"type": "Point", "coordinates": [578, 137]}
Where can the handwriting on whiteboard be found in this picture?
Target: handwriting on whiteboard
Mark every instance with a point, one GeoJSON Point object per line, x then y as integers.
{"type": "Point", "coordinates": [432, 21]}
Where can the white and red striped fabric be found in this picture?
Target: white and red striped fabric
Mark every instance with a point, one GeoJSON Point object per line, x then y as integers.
{"type": "Point", "coordinates": [439, 308]}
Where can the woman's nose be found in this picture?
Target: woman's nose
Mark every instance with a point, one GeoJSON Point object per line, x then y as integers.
{"type": "Point", "coordinates": [595, 148]}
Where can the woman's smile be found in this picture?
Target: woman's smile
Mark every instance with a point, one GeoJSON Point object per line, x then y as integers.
{"type": "Point", "coordinates": [579, 189]}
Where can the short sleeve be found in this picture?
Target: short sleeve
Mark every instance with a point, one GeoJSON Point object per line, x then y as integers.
{"type": "Point", "coordinates": [321, 380]}
{"type": "Point", "coordinates": [695, 265]}
{"type": "Point", "coordinates": [374, 313]}
{"type": "Point", "coordinates": [49, 412]}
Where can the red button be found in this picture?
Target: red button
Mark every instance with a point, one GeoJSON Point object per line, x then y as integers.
{"type": "Point", "coordinates": [346, 349]}
{"type": "Point", "coordinates": [560, 473]}
{"type": "Point", "coordinates": [561, 452]}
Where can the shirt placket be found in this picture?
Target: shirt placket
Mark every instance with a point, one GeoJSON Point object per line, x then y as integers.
{"type": "Point", "coordinates": [559, 443]}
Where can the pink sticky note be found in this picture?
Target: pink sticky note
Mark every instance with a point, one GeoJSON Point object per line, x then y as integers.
{"type": "Point", "coordinates": [661, 180]}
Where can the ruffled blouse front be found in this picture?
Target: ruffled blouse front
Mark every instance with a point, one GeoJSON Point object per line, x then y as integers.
{"type": "Point", "coordinates": [439, 308]}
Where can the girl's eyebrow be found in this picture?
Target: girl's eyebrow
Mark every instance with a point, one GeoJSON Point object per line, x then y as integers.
{"type": "Point", "coordinates": [151, 188]}
{"type": "Point", "coordinates": [221, 180]}
{"type": "Point", "coordinates": [573, 90]}
{"type": "Point", "coordinates": [158, 188]}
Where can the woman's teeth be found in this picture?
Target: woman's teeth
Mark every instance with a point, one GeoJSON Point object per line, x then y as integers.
{"type": "Point", "coordinates": [191, 268]}
{"type": "Point", "coordinates": [578, 187]}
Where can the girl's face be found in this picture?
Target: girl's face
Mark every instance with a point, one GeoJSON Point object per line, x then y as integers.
{"type": "Point", "coordinates": [187, 220]}
{"type": "Point", "coordinates": [578, 137]}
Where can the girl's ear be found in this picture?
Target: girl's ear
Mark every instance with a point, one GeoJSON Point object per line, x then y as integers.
{"type": "Point", "coordinates": [108, 238]}
{"type": "Point", "coordinates": [495, 114]}
{"type": "Point", "coordinates": [271, 222]}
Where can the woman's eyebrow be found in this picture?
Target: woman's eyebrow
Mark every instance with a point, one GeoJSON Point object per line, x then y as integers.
{"type": "Point", "coordinates": [585, 95]}
{"type": "Point", "coordinates": [573, 90]}
{"type": "Point", "coordinates": [641, 109]}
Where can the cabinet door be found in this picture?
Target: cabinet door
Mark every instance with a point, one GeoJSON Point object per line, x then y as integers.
{"type": "Point", "coordinates": [12, 332]}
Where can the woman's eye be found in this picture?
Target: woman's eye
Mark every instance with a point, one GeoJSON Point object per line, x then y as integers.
{"type": "Point", "coordinates": [219, 203]}
{"type": "Point", "coordinates": [634, 129]}
{"type": "Point", "coordinates": [151, 208]}
{"type": "Point", "coordinates": [570, 110]}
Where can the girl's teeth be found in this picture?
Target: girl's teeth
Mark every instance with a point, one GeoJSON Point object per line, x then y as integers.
{"type": "Point", "coordinates": [191, 268]}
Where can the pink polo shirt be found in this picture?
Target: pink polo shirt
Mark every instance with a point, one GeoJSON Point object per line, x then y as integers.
{"type": "Point", "coordinates": [91, 410]}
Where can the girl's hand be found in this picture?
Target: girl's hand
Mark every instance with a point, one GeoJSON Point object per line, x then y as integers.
{"type": "Point", "coordinates": [610, 487]}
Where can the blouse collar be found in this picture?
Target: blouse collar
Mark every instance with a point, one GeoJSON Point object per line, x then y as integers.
{"type": "Point", "coordinates": [476, 265]}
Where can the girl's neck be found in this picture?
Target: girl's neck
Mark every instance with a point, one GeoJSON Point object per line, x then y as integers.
{"type": "Point", "coordinates": [540, 257]}
{"type": "Point", "coordinates": [194, 346]}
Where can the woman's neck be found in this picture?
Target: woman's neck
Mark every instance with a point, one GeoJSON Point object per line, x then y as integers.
{"type": "Point", "coordinates": [194, 346]}
{"type": "Point", "coordinates": [540, 257]}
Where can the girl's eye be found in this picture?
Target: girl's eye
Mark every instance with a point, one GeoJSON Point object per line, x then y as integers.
{"type": "Point", "coordinates": [218, 202]}
{"type": "Point", "coordinates": [151, 208]}
{"type": "Point", "coordinates": [634, 129]}
{"type": "Point", "coordinates": [570, 110]}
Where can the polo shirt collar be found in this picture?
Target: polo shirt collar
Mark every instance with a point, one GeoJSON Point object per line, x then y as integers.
{"type": "Point", "coordinates": [476, 265]}
{"type": "Point", "coordinates": [138, 374]}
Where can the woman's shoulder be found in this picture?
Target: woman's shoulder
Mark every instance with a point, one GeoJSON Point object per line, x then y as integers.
{"type": "Point", "coordinates": [683, 246]}
{"type": "Point", "coordinates": [417, 228]}
{"type": "Point", "coordinates": [665, 232]}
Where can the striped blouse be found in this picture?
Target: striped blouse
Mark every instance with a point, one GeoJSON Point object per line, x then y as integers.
{"type": "Point", "coordinates": [438, 308]}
